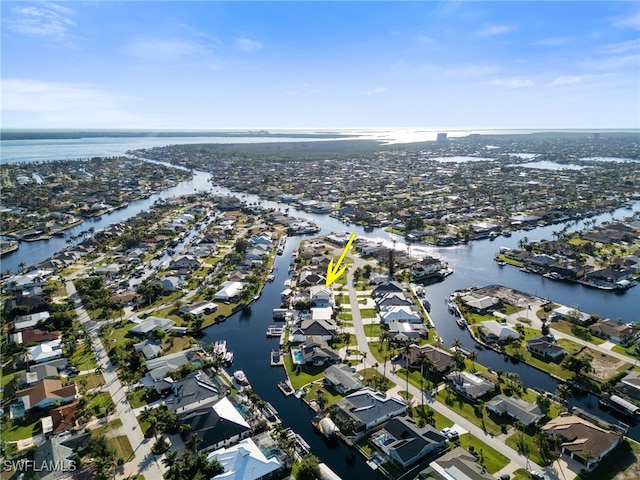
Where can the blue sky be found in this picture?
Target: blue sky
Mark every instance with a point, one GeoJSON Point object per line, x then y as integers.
{"type": "Point", "coordinates": [205, 65]}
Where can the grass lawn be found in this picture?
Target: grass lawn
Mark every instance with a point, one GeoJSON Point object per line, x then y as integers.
{"type": "Point", "coordinates": [83, 358]}
{"type": "Point", "coordinates": [100, 402]}
{"type": "Point", "coordinates": [380, 351]}
{"type": "Point", "coordinates": [345, 316]}
{"type": "Point", "coordinates": [373, 330]}
{"type": "Point", "coordinates": [368, 313]}
{"type": "Point", "coordinates": [316, 390]}
{"type": "Point", "coordinates": [115, 334]}
{"type": "Point", "coordinates": [122, 446]}
{"type": "Point", "coordinates": [8, 374]}
{"type": "Point", "coordinates": [142, 396]}
{"type": "Point", "coordinates": [108, 428]}
{"type": "Point", "coordinates": [441, 420]}
{"type": "Point", "coordinates": [342, 299]}
{"type": "Point", "coordinates": [549, 367]}
{"type": "Point", "coordinates": [22, 429]}
{"type": "Point", "coordinates": [629, 351]}
{"type": "Point", "coordinates": [577, 331]}
{"type": "Point", "coordinates": [490, 459]}
{"type": "Point", "coordinates": [372, 378]}
{"type": "Point", "coordinates": [463, 407]}
{"type": "Point", "coordinates": [300, 378]}
{"type": "Point", "coordinates": [92, 380]}
{"type": "Point", "coordinates": [519, 439]}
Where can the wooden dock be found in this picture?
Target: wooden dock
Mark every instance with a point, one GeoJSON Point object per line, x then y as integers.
{"type": "Point", "coordinates": [277, 359]}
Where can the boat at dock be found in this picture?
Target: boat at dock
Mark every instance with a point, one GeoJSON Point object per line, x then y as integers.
{"type": "Point", "coordinates": [220, 348]}
{"type": "Point", "coordinates": [240, 378]}
{"type": "Point", "coordinates": [228, 358]}
{"type": "Point", "coordinates": [325, 426]}
{"type": "Point", "coordinates": [274, 331]}
{"type": "Point", "coordinates": [285, 388]}
{"type": "Point", "coordinates": [276, 358]}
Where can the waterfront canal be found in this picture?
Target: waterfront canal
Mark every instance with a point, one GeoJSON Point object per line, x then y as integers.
{"type": "Point", "coordinates": [472, 264]}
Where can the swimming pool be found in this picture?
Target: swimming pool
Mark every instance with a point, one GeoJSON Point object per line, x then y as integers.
{"type": "Point", "coordinates": [296, 355]}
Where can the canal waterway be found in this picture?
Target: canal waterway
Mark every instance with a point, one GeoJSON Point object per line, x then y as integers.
{"type": "Point", "coordinates": [472, 264]}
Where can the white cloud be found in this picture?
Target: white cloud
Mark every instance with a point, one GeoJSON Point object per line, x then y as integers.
{"type": "Point", "coordinates": [44, 20]}
{"type": "Point", "coordinates": [513, 83]}
{"type": "Point", "coordinates": [55, 103]}
{"type": "Point", "coordinates": [247, 45]}
{"type": "Point", "coordinates": [494, 30]}
{"type": "Point", "coordinates": [375, 91]}
{"type": "Point", "coordinates": [163, 50]}
{"type": "Point", "coordinates": [628, 21]}
{"type": "Point", "coordinates": [564, 80]}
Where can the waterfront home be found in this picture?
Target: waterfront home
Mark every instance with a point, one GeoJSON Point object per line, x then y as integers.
{"type": "Point", "coordinates": [216, 426]}
{"type": "Point", "coordinates": [406, 443]}
{"type": "Point", "coordinates": [481, 305]}
{"type": "Point", "coordinates": [321, 329]}
{"type": "Point", "coordinates": [150, 349]}
{"type": "Point", "coordinates": [196, 390]}
{"type": "Point", "coordinates": [170, 284]}
{"type": "Point", "coordinates": [185, 261]}
{"type": "Point", "coordinates": [609, 278]}
{"type": "Point", "coordinates": [367, 408]}
{"type": "Point", "coordinates": [44, 352]}
{"type": "Point", "coordinates": [63, 418]}
{"type": "Point", "coordinates": [261, 239]}
{"type": "Point", "coordinates": [316, 352]}
{"type": "Point", "coordinates": [440, 361]}
{"type": "Point", "coordinates": [545, 347]}
{"type": "Point", "coordinates": [470, 385]}
{"type": "Point", "coordinates": [582, 440]}
{"type": "Point", "coordinates": [23, 322]}
{"type": "Point", "coordinates": [456, 464]}
{"type": "Point", "coordinates": [492, 331]}
{"type": "Point", "coordinates": [388, 287]}
{"type": "Point", "coordinates": [629, 386]}
{"type": "Point", "coordinates": [229, 290]}
{"type": "Point", "coordinates": [571, 270]}
{"type": "Point", "coordinates": [400, 314]}
{"type": "Point", "coordinates": [159, 368]}
{"type": "Point", "coordinates": [570, 314]}
{"type": "Point", "coordinates": [405, 331]}
{"type": "Point", "coordinates": [34, 335]}
{"type": "Point", "coordinates": [321, 296]}
{"type": "Point", "coordinates": [307, 278]}
{"type": "Point", "coordinates": [46, 392]}
{"type": "Point", "coordinates": [198, 309]}
{"type": "Point", "coordinates": [342, 379]}
{"type": "Point", "coordinates": [394, 299]}
{"type": "Point", "coordinates": [516, 408]}
{"type": "Point", "coordinates": [617, 332]}
{"type": "Point", "coordinates": [247, 461]}
{"type": "Point", "coordinates": [146, 326]}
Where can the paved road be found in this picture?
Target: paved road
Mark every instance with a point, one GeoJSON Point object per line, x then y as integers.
{"type": "Point", "coordinates": [495, 442]}
{"type": "Point", "coordinates": [144, 462]}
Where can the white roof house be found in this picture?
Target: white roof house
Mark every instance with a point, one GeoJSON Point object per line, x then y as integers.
{"type": "Point", "coordinates": [45, 351]}
{"type": "Point", "coordinates": [28, 321]}
{"type": "Point", "coordinates": [244, 461]}
{"type": "Point", "coordinates": [151, 323]}
{"type": "Point", "coordinates": [228, 290]}
{"type": "Point", "coordinates": [471, 385]}
{"type": "Point", "coordinates": [400, 313]}
{"type": "Point", "coordinates": [493, 330]}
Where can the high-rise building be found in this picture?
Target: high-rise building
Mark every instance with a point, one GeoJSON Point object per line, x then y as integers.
{"type": "Point", "coordinates": [442, 137]}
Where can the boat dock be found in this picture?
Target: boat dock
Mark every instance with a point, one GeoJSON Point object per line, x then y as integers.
{"type": "Point", "coordinates": [285, 387]}
{"type": "Point", "coordinates": [274, 331]}
{"type": "Point", "coordinates": [276, 358]}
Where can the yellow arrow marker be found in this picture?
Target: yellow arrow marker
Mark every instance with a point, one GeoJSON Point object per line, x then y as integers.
{"type": "Point", "coordinates": [333, 273]}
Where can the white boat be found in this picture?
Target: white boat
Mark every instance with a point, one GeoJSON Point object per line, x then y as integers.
{"type": "Point", "coordinates": [220, 347]}
{"type": "Point", "coordinates": [228, 357]}
{"type": "Point", "coordinates": [240, 377]}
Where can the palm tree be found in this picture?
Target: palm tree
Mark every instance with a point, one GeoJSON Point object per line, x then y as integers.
{"type": "Point", "coordinates": [407, 352]}
{"type": "Point", "coordinates": [422, 359]}
{"type": "Point", "coordinates": [473, 356]}
{"type": "Point", "coordinates": [364, 364]}
{"type": "Point", "coordinates": [457, 344]}
{"type": "Point", "coordinates": [99, 370]}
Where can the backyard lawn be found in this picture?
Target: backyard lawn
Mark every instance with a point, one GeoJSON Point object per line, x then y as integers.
{"type": "Point", "coordinates": [489, 458]}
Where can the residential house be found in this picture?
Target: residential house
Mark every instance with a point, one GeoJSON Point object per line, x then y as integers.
{"type": "Point", "coordinates": [44, 352]}
{"type": "Point", "coordinates": [46, 392]}
{"type": "Point", "coordinates": [439, 361]}
{"type": "Point", "coordinates": [404, 331]}
{"type": "Point", "coordinates": [23, 322]}
{"type": "Point", "coordinates": [30, 336]}
{"type": "Point", "coordinates": [492, 331]}
{"type": "Point", "coordinates": [196, 390]}
{"type": "Point", "coordinates": [159, 368]}
{"type": "Point", "coordinates": [582, 440]}
{"type": "Point", "coordinates": [342, 379]}
{"type": "Point", "coordinates": [629, 386]}
{"type": "Point", "coordinates": [545, 347]}
{"type": "Point", "coordinates": [570, 314]}
{"type": "Point", "coordinates": [170, 284]}
{"type": "Point", "coordinates": [388, 287]}
{"type": "Point", "coordinates": [481, 305]}
{"type": "Point", "coordinates": [247, 461]}
{"type": "Point", "coordinates": [316, 352]}
{"type": "Point", "coordinates": [321, 296]}
{"type": "Point", "coordinates": [198, 309]}
{"type": "Point", "coordinates": [185, 261]}
{"type": "Point", "coordinates": [400, 314]}
{"type": "Point", "coordinates": [146, 326]}
{"type": "Point", "coordinates": [64, 417]}
{"type": "Point", "coordinates": [229, 290]}
{"type": "Point", "coordinates": [61, 451]}
{"type": "Point", "coordinates": [216, 426]}
{"type": "Point", "coordinates": [524, 412]}
{"type": "Point", "coordinates": [470, 385]}
{"type": "Point", "coordinates": [37, 373]}
{"type": "Point", "coordinates": [393, 299]}
{"type": "Point", "coordinates": [321, 329]}
{"type": "Point", "coordinates": [458, 464]}
{"type": "Point", "coordinates": [610, 277]}
{"type": "Point", "coordinates": [150, 349]}
{"type": "Point", "coordinates": [406, 443]}
{"type": "Point", "coordinates": [617, 332]}
{"type": "Point", "coordinates": [368, 408]}
{"type": "Point", "coordinates": [308, 277]}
